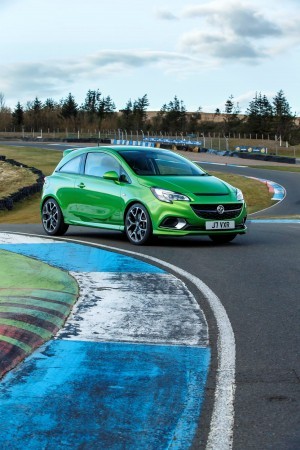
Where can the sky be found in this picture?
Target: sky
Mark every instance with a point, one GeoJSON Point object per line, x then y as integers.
{"type": "Point", "coordinates": [198, 50]}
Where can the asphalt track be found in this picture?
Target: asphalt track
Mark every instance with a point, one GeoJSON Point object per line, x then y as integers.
{"type": "Point", "coordinates": [257, 279]}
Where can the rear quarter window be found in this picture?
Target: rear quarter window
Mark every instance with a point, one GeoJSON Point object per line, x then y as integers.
{"type": "Point", "coordinates": [72, 166]}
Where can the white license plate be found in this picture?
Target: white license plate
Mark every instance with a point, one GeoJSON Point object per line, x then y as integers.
{"type": "Point", "coordinates": [220, 225]}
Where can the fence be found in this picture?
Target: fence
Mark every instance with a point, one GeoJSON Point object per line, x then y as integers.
{"type": "Point", "coordinates": [217, 141]}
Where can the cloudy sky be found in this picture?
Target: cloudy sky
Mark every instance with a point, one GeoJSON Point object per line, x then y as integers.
{"type": "Point", "coordinates": [201, 51]}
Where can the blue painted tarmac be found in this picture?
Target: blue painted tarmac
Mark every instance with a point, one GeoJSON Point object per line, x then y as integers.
{"type": "Point", "coordinates": [80, 258]}
{"type": "Point", "coordinates": [110, 396]}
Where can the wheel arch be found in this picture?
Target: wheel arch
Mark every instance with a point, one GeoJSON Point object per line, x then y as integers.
{"type": "Point", "coordinates": [46, 197]}
{"type": "Point", "coordinates": [133, 202]}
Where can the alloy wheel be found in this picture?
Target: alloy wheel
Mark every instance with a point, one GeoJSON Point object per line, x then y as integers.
{"type": "Point", "coordinates": [138, 224]}
{"type": "Point", "coordinates": [50, 216]}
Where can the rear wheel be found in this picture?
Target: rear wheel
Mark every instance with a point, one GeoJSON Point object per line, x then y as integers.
{"type": "Point", "coordinates": [52, 218]}
{"type": "Point", "coordinates": [138, 226]}
{"type": "Point", "coordinates": [222, 238]}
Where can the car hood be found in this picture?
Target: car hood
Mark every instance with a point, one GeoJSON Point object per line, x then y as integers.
{"type": "Point", "coordinates": [197, 185]}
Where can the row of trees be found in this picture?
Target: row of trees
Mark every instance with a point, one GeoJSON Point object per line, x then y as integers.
{"type": "Point", "coordinates": [262, 116]}
{"type": "Point", "coordinates": [98, 112]}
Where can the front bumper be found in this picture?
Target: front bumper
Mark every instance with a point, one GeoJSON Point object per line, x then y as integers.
{"type": "Point", "coordinates": [182, 218]}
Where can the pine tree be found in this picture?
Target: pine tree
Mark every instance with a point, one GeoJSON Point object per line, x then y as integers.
{"type": "Point", "coordinates": [91, 104]}
{"type": "Point", "coordinates": [51, 114]}
{"type": "Point", "coordinates": [126, 119]}
{"type": "Point", "coordinates": [18, 116]}
{"type": "Point", "coordinates": [283, 119]}
{"type": "Point", "coordinates": [259, 115]}
{"type": "Point", "coordinates": [69, 109]}
{"type": "Point", "coordinates": [105, 109]}
{"type": "Point", "coordinates": [139, 111]}
{"type": "Point", "coordinates": [50, 104]}
{"type": "Point", "coordinates": [229, 105]}
{"type": "Point", "coordinates": [173, 116]}
{"type": "Point", "coordinates": [231, 119]}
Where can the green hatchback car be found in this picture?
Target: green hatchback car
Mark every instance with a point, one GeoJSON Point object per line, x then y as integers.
{"type": "Point", "coordinates": [141, 191]}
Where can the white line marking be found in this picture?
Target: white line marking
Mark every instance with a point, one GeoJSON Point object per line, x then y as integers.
{"type": "Point", "coordinates": [221, 164]}
{"type": "Point", "coordinates": [221, 428]}
{"type": "Point", "coordinates": [11, 238]}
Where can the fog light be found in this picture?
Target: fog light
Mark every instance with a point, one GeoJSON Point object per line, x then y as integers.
{"type": "Point", "coordinates": [181, 223]}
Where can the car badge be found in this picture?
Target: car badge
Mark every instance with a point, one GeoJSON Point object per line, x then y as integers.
{"type": "Point", "coordinates": [220, 209]}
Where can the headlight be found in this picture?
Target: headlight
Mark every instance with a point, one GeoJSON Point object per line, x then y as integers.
{"type": "Point", "coordinates": [239, 195]}
{"type": "Point", "coordinates": [169, 196]}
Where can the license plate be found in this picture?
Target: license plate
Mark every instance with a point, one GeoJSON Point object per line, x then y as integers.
{"type": "Point", "coordinates": [220, 225]}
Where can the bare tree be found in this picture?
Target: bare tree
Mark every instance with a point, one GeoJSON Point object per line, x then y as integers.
{"type": "Point", "coordinates": [2, 101]}
{"type": "Point", "coordinates": [5, 113]}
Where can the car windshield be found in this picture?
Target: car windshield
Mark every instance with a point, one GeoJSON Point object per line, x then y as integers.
{"type": "Point", "coordinates": [155, 163]}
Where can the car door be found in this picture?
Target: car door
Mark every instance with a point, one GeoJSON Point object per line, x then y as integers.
{"type": "Point", "coordinates": [99, 200]}
{"type": "Point", "coordinates": [65, 181]}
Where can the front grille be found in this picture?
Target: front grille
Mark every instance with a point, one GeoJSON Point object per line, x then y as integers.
{"type": "Point", "coordinates": [231, 211]}
{"type": "Point", "coordinates": [207, 194]}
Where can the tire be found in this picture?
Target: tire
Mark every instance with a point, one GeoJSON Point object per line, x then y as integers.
{"type": "Point", "coordinates": [222, 238]}
{"type": "Point", "coordinates": [138, 226]}
{"type": "Point", "coordinates": [52, 218]}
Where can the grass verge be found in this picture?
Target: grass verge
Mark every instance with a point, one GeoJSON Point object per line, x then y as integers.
{"type": "Point", "coordinates": [44, 160]}
{"type": "Point", "coordinates": [27, 211]}
{"type": "Point", "coordinates": [13, 178]}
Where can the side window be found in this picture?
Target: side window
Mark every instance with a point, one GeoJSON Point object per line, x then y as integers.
{"type": "Point", "coordinates": [98, 163]}
{"type": "Point", "coordinates": [72, 166]}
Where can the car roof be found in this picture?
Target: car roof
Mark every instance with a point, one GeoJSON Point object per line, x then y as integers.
{"type": "Point", "coordinates": [112, 148]}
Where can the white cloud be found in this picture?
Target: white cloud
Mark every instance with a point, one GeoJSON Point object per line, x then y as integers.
{"type": "Point", "coordinates": [220, 46]}
{"type": "Point", "coordinates": [165, 14]}
{"type": "Point", "coordinates": [235, 31]}
{"type": "Point", "coordinates": [57, 77]}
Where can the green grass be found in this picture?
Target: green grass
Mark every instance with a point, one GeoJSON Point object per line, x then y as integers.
{"type": "Point", "coordinates": [44, 160]}
{"type": "Point", "coordinates": [256, 193]}
{"type": "Point", "coordinates": [24, 212]}
{"type": "Point", "coordinates": [27, 211]}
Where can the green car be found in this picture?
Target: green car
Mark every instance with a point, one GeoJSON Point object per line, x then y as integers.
{"type": "Point", "coordinates": [141, 191]}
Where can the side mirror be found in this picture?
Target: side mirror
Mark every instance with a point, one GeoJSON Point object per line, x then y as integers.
{"type": "Point", "coordinates": [124, 178]}
{"type": "Point", "coordinates": [111, 175]}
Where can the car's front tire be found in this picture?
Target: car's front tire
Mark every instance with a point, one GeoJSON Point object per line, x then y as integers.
{"type": "Point", "coordinates": [138, 226]}
{"type": "Point", "coordinates": [222, 238]}
{"type": "Point", "coordinates": [52, 218]}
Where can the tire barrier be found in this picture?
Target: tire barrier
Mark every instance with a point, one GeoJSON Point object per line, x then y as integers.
{"type": "Point", "coordinates": [7, 203]}
{"type": "Point", "coordinates": [271, 158]}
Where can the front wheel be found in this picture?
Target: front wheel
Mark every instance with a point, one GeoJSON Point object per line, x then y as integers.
{"type": "Point", "coordinates": [222, 238]}
{"type": "Point", "coordinates": [138, 226]}
{"type": "Point", "coordinates": [52, 218]}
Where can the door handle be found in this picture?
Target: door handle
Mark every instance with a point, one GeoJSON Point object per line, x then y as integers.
{"type": "Point", "coordinates": [81, 185]}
